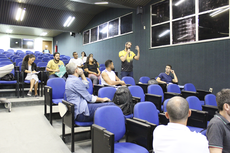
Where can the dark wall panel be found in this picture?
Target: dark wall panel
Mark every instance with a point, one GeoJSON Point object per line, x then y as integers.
{"type": "Point", "coordinates": [203, 64]}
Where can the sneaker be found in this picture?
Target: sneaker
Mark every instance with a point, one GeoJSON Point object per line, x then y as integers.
{"type": "Point", "coordinates": [29, 93]}
{"type": "Point", "coordinates": [36, 96]}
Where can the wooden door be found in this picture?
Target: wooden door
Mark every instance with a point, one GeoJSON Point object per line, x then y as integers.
{"type": "Point", "coordinates": [49, 46]}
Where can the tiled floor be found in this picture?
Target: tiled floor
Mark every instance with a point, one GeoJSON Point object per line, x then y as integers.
{"type": "Point", "coordinates": [26, 130]}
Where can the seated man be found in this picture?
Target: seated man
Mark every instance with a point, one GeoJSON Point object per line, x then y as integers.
{"type": "Point", "coordinates": [76, 93]}
{"type": "Point", "coordinates": [108, 77]}
{"type": "Point", "coordinates": [76, 60]}
{"type": "Point", "coordinates": [176, 137]}
{"type": "Point", "coordinates": [218, 131]}
{"type": "Point", "coordinates": [53, 66]}
{"type": "Point", "coordinates": [166, 78]}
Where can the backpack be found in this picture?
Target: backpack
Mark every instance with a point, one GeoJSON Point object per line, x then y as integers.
{"type": "Point", "coordinates": [8, 77]}
{"type": "Point", "coordinates": [152, 81]}
{"type": "Point", "coordinates": [123, 99]}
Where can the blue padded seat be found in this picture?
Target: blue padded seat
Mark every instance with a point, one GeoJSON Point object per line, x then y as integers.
{"type": "Point", "coordinates": [144, 79]}
{"type": "Point", "coordinates": [173, 88]}
{"type": "Point", "coordinates": [156, 90]}
{"type": "Point", "coordinates": [137, 91]}
{"type": "Point", "coordinates": [210, 99]}
{"type": "Point", "coordinates": [128, 80]}
{"type": "Point", "coordinates": [107, 92]}
{"type": "Point", "coordinates": [83, 123]}
{"type": "Point", "coordinates": [194, 103]}
{"type": "Point", "coordinates": [126, 147]}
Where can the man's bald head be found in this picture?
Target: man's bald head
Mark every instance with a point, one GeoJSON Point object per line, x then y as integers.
{"type": "Point", "coordinates": [177, 108]}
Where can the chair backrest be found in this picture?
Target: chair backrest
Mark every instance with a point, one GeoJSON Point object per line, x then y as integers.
{"type": "Point", "coordinates": [18, 60]}
{"type": "Point", "coordinates": [67, 57]}
{"type": "Point", "coordinates": [107, 92]}
{"type": "Point", "coordinates": [146, 111]}
{"type": "Point", "coordinates": [62, 55]}
{"type": "Point", "coordinates": [14, 58]}
{"type": "Point", "coordinates": [164, 105]}
{"type": "Point", "coordinates": [65, 61]}
{"type": "Point", "coordinates": [29, 52]}
{"type": "Point", "coordinates": [10, 51]}
{"type": "Point", "coordinates": [1, 51]}
{"type": "Point", "coordinates": [90, 89]}
{"type": "Point", "coordinates": [40, 57]}
{"type": "Point", "coordinates": [58, 87]}
{"type": "Point", "coordinates": [173, 88]}
{"type": "Point", "coordinates": [8, 54]}
{"type": "Point", "coordinates": [19, 51]}
{"type": "Point", "coordinates": [37, 60]}
{"type": "Point", "coordinates": [22, 55]}
{"type": "Point", "coordinates": [156, 90]}
{"type": "Point", "coordinates": [194, 103]}
{"type": "Point", "coordinates": [112, 119]}
{"type": "Point", "coordinates": [102, 69]}
{"type": "Point", "coordinates": [137, 91]}
{"type": "Point", "coordinates": [128, 80]}
{"type": "Point", "coordinates": [189, 87]}
{"type": "Point", "coordinates": [41, 64]}
{"type": "Point", "coordinates": [144, 79]}
{"type": "Point", "coordinates": [45, 59]}
{"type": "Point", "coordinates": [5, 62]}
{"type": "Point", "coordinates": [4, 59]}
{"type": "Point", "coordinates": [210, 99]}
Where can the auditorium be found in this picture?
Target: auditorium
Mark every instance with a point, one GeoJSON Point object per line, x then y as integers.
{"type": "Point", "coordinates": [114, 76]}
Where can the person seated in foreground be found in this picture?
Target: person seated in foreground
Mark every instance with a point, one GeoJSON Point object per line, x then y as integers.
{"type": "Point", "coordinates": [166, 78]}
{"type": "Point", "coordinates": [218, 131]}
{"type": "Point", "coordinates": [108, 77]}
{"type": "Point", "coordinates": [76, 92]}
{"type": "Point", "coordinates": [176, 137]}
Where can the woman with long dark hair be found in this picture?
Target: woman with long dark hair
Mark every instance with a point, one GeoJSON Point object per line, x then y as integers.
{"type": "Point", "coordinates": [29, 67]}
{"type": "Point", "coordinates": [92, 68]}
{"type": "Point", "coordinates": [83, 57]}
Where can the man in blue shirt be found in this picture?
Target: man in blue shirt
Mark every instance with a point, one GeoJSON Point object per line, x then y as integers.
{"type": "Point", "coordinates": [76, 93]}
{"type": "Point", "coordinates": [166, 78]}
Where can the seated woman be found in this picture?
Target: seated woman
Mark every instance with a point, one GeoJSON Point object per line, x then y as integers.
{"type": "Point", "coordinates": [83, 57]}
{"type": "Point", "coordinates": [29, 67]}
{"type": "Point", "coordinates": [92, 69]}
{"type": "Point", "coordinates": [76, 92]}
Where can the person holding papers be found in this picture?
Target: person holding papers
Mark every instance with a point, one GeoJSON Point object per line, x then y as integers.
{"type": "Point", "coordinates": [29, 67]}
{"type": "Point", "coordinates": [53, 66]}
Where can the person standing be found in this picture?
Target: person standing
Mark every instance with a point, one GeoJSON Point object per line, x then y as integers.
{"type": "Point", "coordinates": [76, 60]}
{"type": "Point", "coordinates": [126, 57]}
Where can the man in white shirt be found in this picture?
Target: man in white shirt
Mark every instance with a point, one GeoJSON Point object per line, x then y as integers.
{"type": "Point", "coordinates": [76, 60]}
{"type": "Point", "coordinates": [176, 137]}
{"type": "Point", "coordinates": [108, 77]}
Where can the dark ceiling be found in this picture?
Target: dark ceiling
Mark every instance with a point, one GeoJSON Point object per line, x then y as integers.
{"type": "Point", "coordinates": [50, 15]}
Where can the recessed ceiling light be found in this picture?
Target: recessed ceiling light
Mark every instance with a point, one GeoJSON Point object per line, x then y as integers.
{"type": "Point", "coordinates": [20, 14]}
{"type": "Point", "coordinates": [43, 34]}
{"type": "Point", "coordinates": [101, 3]}
{"type": "Point", "coordinates": [9, 31]}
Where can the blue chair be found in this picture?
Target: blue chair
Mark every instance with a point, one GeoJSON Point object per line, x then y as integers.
{"type": "Point", "coordinates": [144, 79]}
{"type": "Point", "coordinates": [102, 69]}
{"type": "Point", "coordinates": [10, 51]}
{"type": "Point", "coordinates": [40, 57]}
{"type": "Point", "coordinates": [164, 108]}
{"type": "Point", "coordinates": [146, 111]}
{"type": "Point", "coordinates": [1, 51]}
{"type": "Point", "coordinates": [9, 54]}
{"type": "Point", "coordinates": [69, 120]}
{"type": "Point", "coordinates": [62, 55]}
{"type": "Point", "coordinates": [137, 91]}
{"type": "Point", "coordinates": [41, 64]}
{"type": "Point", "coordinates": [19, 52]}
{"type": "Point", "coordinates": [4, 59]}
{"type": "Point", "coordinates": [45, 59]}
{"type": "Point", "coordinates": [15, 57]}
{"type": "Point", "coordinates": [174, 88]}
{"type": "Point", "coordinates": [107, 92]}
{"type": "Point", "coordinates": [29, 52]}
{"type": "Point", "coordinates": [65, 62]}
{"type": "Point", "coordinates": [3, 55]}
{"type": "Point", "coordinates": [194, 103]}
{"type": "Point", "coordinates": [128, 80]}
{"type": "Point", "coordinates": [156, 91]}
{"type": "Point", "coordinates": [22, 55]}
{"type": "Point", "coordinates": [102, 65]}
{"type": "Point", "coordinates": [18, 60]}
{"type": "Point", "coordinates": [90, 89]}
{"type": "Point", "coordinates": [54, 94]}
{"type": "Point", "coordinates": [67, 57]}
{"type": "Point", "coordinates": [13, 82]}
{"type": "Point", "coordinates": [110, 120]}
{"type": "Point", "coordinates": [37, 60]}
{"type": "Point", "coordinates": [210, 99]}
{"type": "Point", "coordinates": [64, 58]}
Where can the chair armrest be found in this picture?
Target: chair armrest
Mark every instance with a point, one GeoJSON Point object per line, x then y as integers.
{"type": "Point", "coordinates": [168, 95]}
{"type": "Point", "coordinates": [144, 86]}
{"type": "Point", "coordinates": [198, 119]}
{"type": "Point", "coordinates": [127, 85]}
{"type": "Point", "coordinates": [17, 76]}
{"type": "Point", "coordinates": [186, 94]}
{"type": "Point", "coordinates": [156, 99]}
{"type": "Point", "coordinates": [48, 95]}
{"type": "Point", "coordinates": [102, 140]}
{"type": "Point", "coordinates": [163, 119]}
{"type": "Point", "coordinates": [68, 118]}
{"type": "Point", "coordinates": [96, 87]}
{"type": "Point", "coordinates": [211, 110]}
{"type": "Point", "coordinates": [202, 93]}
{"type": "Point", "coordinates": [140, 133]}
{"type": "Point", "coordinates": [136, 100]}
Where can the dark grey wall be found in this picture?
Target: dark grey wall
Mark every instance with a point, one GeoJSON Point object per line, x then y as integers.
{"type": "Point", "coordinates": [203, 64]}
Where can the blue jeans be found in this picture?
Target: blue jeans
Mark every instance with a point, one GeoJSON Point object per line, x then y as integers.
{"type": "Point", "coordinates": [92, 108]}
{"type": "Point", "coordinates": [55, 76]}
{"type": "Point", "coordinates": [124, 73]}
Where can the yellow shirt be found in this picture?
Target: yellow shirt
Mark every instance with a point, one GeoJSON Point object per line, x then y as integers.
{"type": "Point", "coordinates": [54, 66]}
{"type": "Point", "coordinates": [129, 57]}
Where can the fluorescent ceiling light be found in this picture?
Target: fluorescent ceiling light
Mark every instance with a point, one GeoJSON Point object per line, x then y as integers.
{"type": "Point", "coordinates": [164, 33]}
{"type": "Point", "coordinates": [20, 14]}
{"type": "Point", "coordinates": [101, 3]}
{"type": "Point", "coordinates": [178, 3]}
{"type": "Point", "coordinates": [68, 21]}
{"type": "Point", "coordinates": [218, 12]}
{"type": "Point", "coordinates": [9, 31]}
{"type": "Point", "coordinates": [44, 33]}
